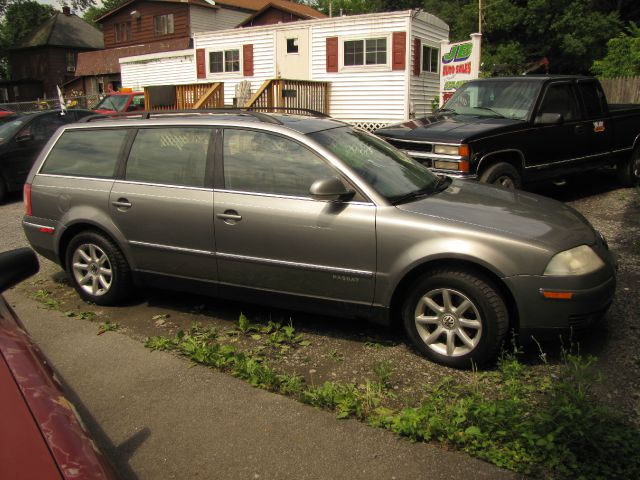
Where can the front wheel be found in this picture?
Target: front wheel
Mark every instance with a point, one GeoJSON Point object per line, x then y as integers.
{"type": "Point", "coordinates": [629, 170]}
{"type": "Point", "coordinates": [455, 317]}
{"type": "Point", "coordinates": [97, 269]}
{"type": "Point", "coordinates": [502, 174]}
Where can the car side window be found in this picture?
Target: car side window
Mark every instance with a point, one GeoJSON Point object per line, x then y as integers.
{"type": "Point", "coordinates": [268, 163]}
{"type": "Point", "coordinates": [560, 99]}
{"type": "Point", "coordinates": [86, 153]}
{"type": "Point", "coordinates": [593, 99]}
{"type": "Point", "coordinates": [172, 156]}
{"type": "Point", "coordinates": [42, 128]}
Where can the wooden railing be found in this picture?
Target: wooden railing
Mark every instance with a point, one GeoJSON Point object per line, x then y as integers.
{"type": "Point", "coordinates": [281, 93]}
{"type": "Point", "coordinates": [193, 96]}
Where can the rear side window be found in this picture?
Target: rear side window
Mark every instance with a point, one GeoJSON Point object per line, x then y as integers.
{"type": "Point", "coordinates": [86, 153]}
{"type": "Point", "coordinates": [172, 156]}
{"type": "Point", "coordinates": [593, 99]}
{"type": "Point", "coordinates": [560, 99]}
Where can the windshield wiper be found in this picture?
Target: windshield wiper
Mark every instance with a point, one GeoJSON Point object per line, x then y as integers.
{"type": "Point", "coordinates": [491, 110]}
{"type": "Point", "coordinates": [450, 110]}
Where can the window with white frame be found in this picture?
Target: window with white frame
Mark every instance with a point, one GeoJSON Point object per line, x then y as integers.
{"type": "Point", "coordinates": [364, 52]}
{"type": "Point", "coordinates": [163, 24]}
{"type": "Point", "coordinates": [430, 59]}
{"type": "Point", "coordinates": [224, 61]}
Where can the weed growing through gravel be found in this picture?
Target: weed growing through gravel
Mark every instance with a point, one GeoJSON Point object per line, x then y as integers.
{"type": "Point", "coordinates": [548, 425]}
{"type": "Point", "coordinates": [107, 327]}
{"type": "Point", "coordinates": [45, 298]}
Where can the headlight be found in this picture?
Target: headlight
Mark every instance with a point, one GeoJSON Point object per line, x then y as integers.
{"type": "Point", "coordinates": [577, 261]}
{"type": "Point", "coordinates": [446, 149]}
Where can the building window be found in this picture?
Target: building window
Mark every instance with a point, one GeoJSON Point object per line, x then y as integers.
{"type": "Point", "coordinates": [371, 51]}
{"type": "Point", "coordinates": [123, 32]}
{"type": "Point", "coordinates": [163, 24]}
{"type": "Point", "coordinates": [430, 59]}
{"type": "Point", "coordinates": [71, 62]}
{"type": "Point", "coordinates": [292, 45]}
{"type": "Point", "coordinates": [224, 61]}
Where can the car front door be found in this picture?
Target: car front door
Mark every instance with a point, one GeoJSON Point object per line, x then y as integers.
{"type": "Point", "coordinates": [271, 236]}
{"type": "Point", "coordinates": [163, 203]}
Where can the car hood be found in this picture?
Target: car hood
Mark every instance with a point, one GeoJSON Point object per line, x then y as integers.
{"type": "Point", "coordinates": [447, 128]}
{"type": "Point", "coordinates": [520, 215]}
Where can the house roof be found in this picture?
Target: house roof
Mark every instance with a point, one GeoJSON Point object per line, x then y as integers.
{"type": "Point", "coordinates": [286, 6]}
{"type": "Point", "coordinates": [249, 5]}
{"type": "Point", "coordinates": [102, 62]}
{"type": "Point", "coordinates": [63, 30]}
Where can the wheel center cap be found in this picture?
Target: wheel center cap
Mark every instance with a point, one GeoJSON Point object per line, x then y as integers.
{"type": "Point", "coordinates": [93, 268]}
{"type": "Point", "coordinates": [448, 321]}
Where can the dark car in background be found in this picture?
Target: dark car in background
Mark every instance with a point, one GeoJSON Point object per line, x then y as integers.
{"type": "Point", "coordinates": [41, 436]}
{"type": "Point", "coordinates": [22, 136]}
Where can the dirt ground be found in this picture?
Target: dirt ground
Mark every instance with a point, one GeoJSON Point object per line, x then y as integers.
{"type": "Point", "coordinates": [353, 351]}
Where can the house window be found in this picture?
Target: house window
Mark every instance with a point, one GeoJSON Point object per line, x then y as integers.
{"type": "Point", "coordinates": [292, 45]}
{"type": "Point", "coordinates": [224, 61]}
{"type": "Point", "coordinates": [430, 59]}
{"type": "Point", "coordinates": [163, 24]}
{"type": "Point", "coordinates": [71, 62]}
{"type": "Point", "coordinates": [370, 51]}
{"type": "Point", "coordinates": [123, 32]}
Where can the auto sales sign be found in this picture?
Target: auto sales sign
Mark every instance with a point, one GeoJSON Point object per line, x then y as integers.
{"type": "Point", "coordinates": [459, 63]}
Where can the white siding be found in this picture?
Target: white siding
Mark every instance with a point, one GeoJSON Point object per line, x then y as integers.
{"type": "Point", "coordinates": [369, 97]}
{"type": "Point", "coordinates": [169, 68]}
{"type": "Point", "coordinates": [263, 41]}
{"type": "Point", "coordinates": [430, 30]}
{"type": "Point", "coordinates": [208, 19]}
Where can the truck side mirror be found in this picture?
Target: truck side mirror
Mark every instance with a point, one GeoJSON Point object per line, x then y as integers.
{"type": "Point", "coordinates": [548, 119]}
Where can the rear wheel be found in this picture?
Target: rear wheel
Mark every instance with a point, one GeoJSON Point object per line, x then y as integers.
{"type": "Point", "coordinates": [455, 317]}
{"type": "Point", "coordinates": [502, 174]}
{"type": "Point", "coordinates": [97, 269]}
{"type": "Point", "coordinates": [629, 170]}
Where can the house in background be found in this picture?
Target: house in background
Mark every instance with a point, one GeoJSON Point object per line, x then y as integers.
{"type": "Point", "coordinates": [381, 68]}
{"type": "Point", "coordinates": [142, 27]}
{"type": "Point", "coordinates": [48, 57]}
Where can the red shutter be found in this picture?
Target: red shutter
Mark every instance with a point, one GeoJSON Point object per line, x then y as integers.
{"type": "Point", "coordinates": [201, 64]}
{"type": "Point", "coordinates": [332, 54]}
{"type": "Point", "coordinates": [399, 51]}
{"type": "Point", "coordinates": [416, 56]}
{"type": "Point", "coordinates": [247, 60]}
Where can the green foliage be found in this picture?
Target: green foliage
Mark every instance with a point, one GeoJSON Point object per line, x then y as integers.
{"type": "Point", "coordinates": [93, 12]}
{"type": "Point", "coordinates": [20, 17]}
{"type": "Point", "coordinates": [623, 55]}
{"type": "Point", "coordinates": [45, 298]}
{"type": "Point", "coordinates": [347, 400]}
{"type": "Point", "coordinates": [107, 327]}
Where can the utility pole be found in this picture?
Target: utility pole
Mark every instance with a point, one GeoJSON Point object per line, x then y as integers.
{"type": "Point", "coordinates": [479, 16]}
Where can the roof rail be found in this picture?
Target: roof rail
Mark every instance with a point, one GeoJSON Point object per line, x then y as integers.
{"type": "Point", "coordinates": [262, 116]}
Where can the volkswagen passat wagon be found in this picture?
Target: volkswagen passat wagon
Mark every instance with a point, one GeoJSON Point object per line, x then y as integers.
{"type": "Point", "coordinates": [310, 213]}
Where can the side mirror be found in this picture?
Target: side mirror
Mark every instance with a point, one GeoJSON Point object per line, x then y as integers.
{"type": "Point", "coordinates": [548, 119]}
{"type": "Point", "coordinates": [330, 190]}
{"type": "Point", "coordinates": [15, 266]}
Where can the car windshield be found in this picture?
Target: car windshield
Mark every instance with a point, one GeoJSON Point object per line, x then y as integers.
{"type": "Point", "coordinates": [113, 102]}
{"type": "Point", "coordinates": [9, 129]}
{"type": "Point", "coordinates": [498, 98]}
{"type": "Point", "coordinates": [387, 170]}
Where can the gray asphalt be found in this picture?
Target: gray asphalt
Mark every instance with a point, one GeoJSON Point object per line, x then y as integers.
{"type": "Point", "coordinates": [157, 418]}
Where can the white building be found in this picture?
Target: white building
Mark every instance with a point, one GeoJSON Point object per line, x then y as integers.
{"type": "Point", "coordinates": [382, 67]}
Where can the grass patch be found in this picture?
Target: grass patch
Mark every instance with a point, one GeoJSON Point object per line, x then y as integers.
{"type": "Point", "coordinates": [46, 300]}
{"type": "Point", "coordinates": [546, 424]}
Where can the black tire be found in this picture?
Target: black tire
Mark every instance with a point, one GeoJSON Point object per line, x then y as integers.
{"type": "Point", "coordinates": [629, 170]}
{"type": "Point", "coordinates": [97, 269]}
{"type": "Point", "coordinates": [484, 321]}
{"type": "Point", "coordinates": [503, 175]}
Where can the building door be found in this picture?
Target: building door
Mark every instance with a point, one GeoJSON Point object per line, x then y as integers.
{"type": "Point", "coordinates": [292, 53]}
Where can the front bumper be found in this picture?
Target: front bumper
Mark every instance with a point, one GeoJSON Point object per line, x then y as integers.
{"type": "Point", "coordinates": [591, 296]}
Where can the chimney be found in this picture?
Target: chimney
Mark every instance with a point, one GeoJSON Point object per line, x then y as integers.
{"type": "Point", "coordinates": [66, 10]}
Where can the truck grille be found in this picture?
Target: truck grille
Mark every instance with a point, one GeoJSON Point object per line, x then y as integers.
{"type": "Point", "coordinates": [415, 146]}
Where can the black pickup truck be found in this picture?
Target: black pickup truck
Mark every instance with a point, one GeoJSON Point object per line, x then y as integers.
{"type": "Point", "coordinates": [515, 130]}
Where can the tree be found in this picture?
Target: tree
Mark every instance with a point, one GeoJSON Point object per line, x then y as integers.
{"type": "Point", "coordinates": [93, 12]}
{"type": "Point", "coordinates": [623, 55]}
{"type": "Point", "coordinates": [20, 18]}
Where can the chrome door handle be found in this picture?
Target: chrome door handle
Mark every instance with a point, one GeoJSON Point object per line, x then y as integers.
{"type": "Point", "coordinates": [121, 203]}
{"type": "Point", "coordinates": [229, 216]}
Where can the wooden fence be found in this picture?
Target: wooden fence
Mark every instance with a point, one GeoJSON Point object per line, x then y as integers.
{"type": "Point", "coordinates": [291, 94]}
{"type": "Point", "coordinates": [622, 89]}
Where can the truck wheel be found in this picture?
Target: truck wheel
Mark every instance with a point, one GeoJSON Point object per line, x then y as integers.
{"type": "Point", "coordinates": [455, 317]}
{"type": "Point", "coordinates": [502, 174]}
{"type": "Point", "coordinates": [629, 170]}
{"type": "Point", "coordinates": [97, 269]}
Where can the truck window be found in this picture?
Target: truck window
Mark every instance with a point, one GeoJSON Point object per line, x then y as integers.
{"type": "Point", "coordinates": [560, 99]}
{"type": "Point", "coordinates": [593, 99]}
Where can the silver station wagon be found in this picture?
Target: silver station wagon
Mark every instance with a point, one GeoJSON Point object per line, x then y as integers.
{"type": "Point", "coordinates": [309, 213]}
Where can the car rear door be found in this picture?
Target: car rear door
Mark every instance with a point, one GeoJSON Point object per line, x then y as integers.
{"type": "Point", "coordinates": [162, 202]}
{"type": "Point", "coordinates": [270, 235]}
